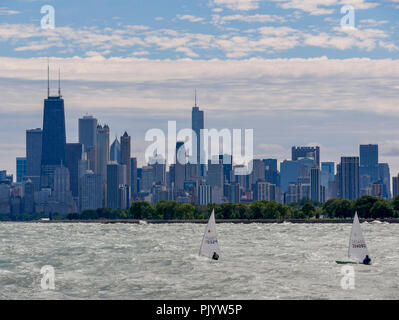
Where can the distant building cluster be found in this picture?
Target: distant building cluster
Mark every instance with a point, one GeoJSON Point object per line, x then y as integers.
{"type": "Point", "coordinates": [60, 177]}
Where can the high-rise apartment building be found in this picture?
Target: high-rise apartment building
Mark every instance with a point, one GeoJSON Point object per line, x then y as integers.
{"type": "Point", "coordinates": [348, 172]}
{"type": "Point", "coordinates": [315, 193]}
{"type": "Point", "coordinates": [125, 156]}
{"type": "Point", "coordinates": [88, 132]}
{"type": "Point", "coordinates": [34, 155]}
{"type": "Point", "coordinates": [369, 161]}
{"type": "Point", "coordinates": [21, 168]}
{"type": "Point", "coordinates": [102, 151]}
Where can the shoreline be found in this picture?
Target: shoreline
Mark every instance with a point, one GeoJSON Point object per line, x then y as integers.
{"type": "Point", "coordinates": [205, 221]}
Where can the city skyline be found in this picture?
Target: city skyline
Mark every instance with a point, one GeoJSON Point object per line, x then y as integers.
{"type": "Point", "coordinates": [290, 72]}
{"type": "Point", "coordinates": [141, 161]}
{"type": "Point", "coordinates": [78, 176]}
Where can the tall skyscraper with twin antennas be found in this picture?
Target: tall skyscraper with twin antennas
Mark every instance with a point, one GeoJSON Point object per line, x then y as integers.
{"type": "Point", "coordinates": [54, 135]}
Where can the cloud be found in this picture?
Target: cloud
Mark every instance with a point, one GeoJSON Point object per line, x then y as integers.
{"type": "Point", "coordinates": [324, 7]}
{"type": "Point", "coordinates": [241, 5]}
{"type": "Point", "coordinates": [190, 18]}
{"type": "Point", "coordinates": [260, 18]}
{"type": "Point", "coordinates": [233, 43]}
{"type": "Point", "coordinates": [6, 12]}
{"type": "Point", "coordinates": [286, 101]}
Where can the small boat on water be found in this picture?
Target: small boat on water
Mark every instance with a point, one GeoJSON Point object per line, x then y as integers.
{"type": "Point", "coordinates": [210, 246]}
{"type": "Point", "coordinates": [357, 245]}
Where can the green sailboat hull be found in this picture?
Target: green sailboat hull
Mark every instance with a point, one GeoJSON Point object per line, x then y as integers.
{"type": "Point", "coordinates": [348, 262]}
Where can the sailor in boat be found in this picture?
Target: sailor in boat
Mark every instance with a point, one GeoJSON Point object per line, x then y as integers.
{"type": "Point", "coordinates": [367, 260]}
{"type": "Point", "coordinates": [215, 256]}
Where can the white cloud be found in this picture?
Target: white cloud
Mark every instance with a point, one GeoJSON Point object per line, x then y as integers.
{"type": "Point", "coordinates": [285, 101]}
{"type": "Point", "coordinates": [261, 18]}
{"type": "Point", "coordinates": [242, 5]}
{"type": "Point", "coordinates": [323, 7]}
{"type": "Point", "coordinates": [6, 12]}
{"type": "Point", "coordinates": [190, 18]}
{"type": "Point", "coordinates": [232, 43]}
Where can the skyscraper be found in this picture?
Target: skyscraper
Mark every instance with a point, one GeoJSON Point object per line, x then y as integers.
{"type": "Point", "coordinates": [271, 172]}
{"type": "Point", "coordinates": [125, 156]}
{"type": "Point", "coordinates": [349, 178]}
{"type": "Point", "coordinates": [54, 137]}
{"type": "Point", "coordinates": [315, 184]}
{"type": "Point", "coordinates": [88, 137]}
{"type": "Point", "coordinates": [369, 161]}
{"type": "Point", "coordinates": [384, 178]}
{"type": "Point", "coordinates": [115, 175]}
{"type": "Point", "coordinates": [327, 179]}
{"type": "Point", "coordinates": [395, 186]}
{"type": "Point", "coordinates": [21, 168]}
{"type": "Point", "coordinates": [87, 132]}
{"type": "Point", "coordinates": [102, 151]}
{"type": "Point", "coordinates": [289, 171]}
{"type": "Point", "coordinates": [306, 152]}
{"type": "Point", "coordinates": [215, 179]}
{"type": "Point", "coordinates": [227, 161]}
{"type": "Point", "coordinates": [204, 194]}
{"type": "Point", "coordinates": [62, 192]}
{"type": "Point", "coordinates": [90, 191]}
{"type": "Point", "coordinates": [133, 177]}
{"type": "Point", "coordinates": [29, 197]}
{"type": "Point", "coordinates": [73, 154]}
{"type": "Point", "coordinates": [197, 124]}
{"type": "Point", "coordinates": [34, 156]}
{"type": "Point", "coordinates": [180, 170]}
{"type": "Point", "coordinates": [115, 154]}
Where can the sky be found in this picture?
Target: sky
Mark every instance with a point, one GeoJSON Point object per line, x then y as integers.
{"type": "Point", "coordinates": [287, 69]}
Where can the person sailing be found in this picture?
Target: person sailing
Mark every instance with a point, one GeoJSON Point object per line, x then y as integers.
{"type": "Point", "coordinates": [367, 260]}
{"type": "Point", "coordinates": [215, 256]}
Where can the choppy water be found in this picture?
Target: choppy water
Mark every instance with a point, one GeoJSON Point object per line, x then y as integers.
{"type": "Point", "coordinates": [260, 261]}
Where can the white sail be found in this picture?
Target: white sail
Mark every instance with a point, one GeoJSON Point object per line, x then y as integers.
{"type": "Point", "coordinates": [357, 245]}
{"type": "Point", "coordinates": [210, 243]}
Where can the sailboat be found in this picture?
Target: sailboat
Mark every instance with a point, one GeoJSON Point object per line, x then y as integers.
{"type": "Point", "coordinates": [210, 246]}
{"type": "Point", "coordinates": [357, 245]}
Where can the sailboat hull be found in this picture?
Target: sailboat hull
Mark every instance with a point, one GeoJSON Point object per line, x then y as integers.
{"type": "Point", "coordinates": [347, 262]}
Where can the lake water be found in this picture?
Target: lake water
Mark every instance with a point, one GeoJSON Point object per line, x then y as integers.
{"type": "Point", "coordinates": [259, 261]}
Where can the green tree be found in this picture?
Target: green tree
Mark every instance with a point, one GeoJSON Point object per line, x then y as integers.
{"type": "Point", "coordinates": [309, 209]}
{"type": "Point", "coordinates": [395, 203]}
{"type": "Point", "coordinates": [256, 210]}
{"type": "Point", "coordinates": [344, 208]}
{"type": "Point", "coordinates": [363, 206]}
{"type": "Point", "coordinates": [185, 211]}
{"type": "Point", "coordinates": [381, 209]}
{"type": "Point", "coordinates": [142, 210]}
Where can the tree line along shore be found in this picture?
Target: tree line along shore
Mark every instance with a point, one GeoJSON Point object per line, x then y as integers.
{"type": "Point", "coordinates": [367, 207]}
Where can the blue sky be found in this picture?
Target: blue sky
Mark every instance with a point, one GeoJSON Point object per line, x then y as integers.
{"type": "Point", "coordinates": [201, 29]}
{"type": "Point", "coordinates": [285, 68]}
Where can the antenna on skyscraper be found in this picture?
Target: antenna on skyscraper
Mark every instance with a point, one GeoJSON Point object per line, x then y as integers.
{"type": "Point", "coordinates": [195, 97]}
{"type": "Point", "coordinates": [48, 77]}
{"type": "Point", "coordinates": [59, 82]}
